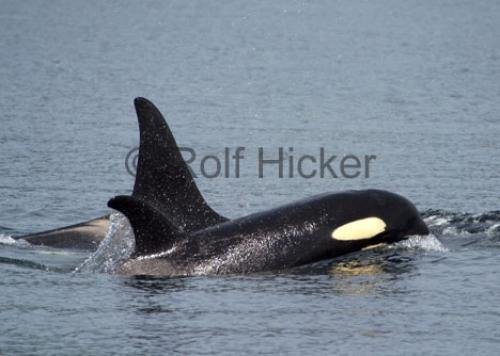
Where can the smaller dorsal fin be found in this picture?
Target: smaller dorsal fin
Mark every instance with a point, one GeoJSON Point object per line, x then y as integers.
{"type": "Point", "coordinates": [152, 229]}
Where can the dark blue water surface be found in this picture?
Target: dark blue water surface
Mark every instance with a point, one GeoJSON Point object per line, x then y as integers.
{"type": "Point", "coordinates": [417, 84]}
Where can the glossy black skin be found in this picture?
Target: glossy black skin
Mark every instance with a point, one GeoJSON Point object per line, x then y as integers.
{"type": "Point", "coordinates": [280, 238]}
{"type": "Point", "coordinates": [178, 234]}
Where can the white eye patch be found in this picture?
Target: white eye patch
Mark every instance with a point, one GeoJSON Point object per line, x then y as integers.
{"type": "Point", "coordinates": [359, 229]}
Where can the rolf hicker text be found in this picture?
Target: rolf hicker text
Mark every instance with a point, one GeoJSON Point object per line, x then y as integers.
{"type": "Point", "coordinates": [279, 162]}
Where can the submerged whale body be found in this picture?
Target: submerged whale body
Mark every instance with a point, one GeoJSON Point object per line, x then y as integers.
{"type": "Point", "coordinates": [178, 234]}
{"type": "Point", "coordinates": [83, 236]}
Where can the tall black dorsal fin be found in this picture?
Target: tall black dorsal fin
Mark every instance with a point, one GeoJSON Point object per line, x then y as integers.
{"type": "Point", "coordinates": [163, 178]}
{"type": "Point", "coordinates": [153, 231]}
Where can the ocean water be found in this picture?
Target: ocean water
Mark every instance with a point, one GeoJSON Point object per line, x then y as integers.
{"type": "Point", "coordinates": [416, 84]}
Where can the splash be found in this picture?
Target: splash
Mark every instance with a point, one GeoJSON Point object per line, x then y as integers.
{"type": "Point", "coordinates": [7, 240]}
{"type": "Point", "coordinates": [427, 243]}
{"type": "Point", "coordinates": [494, 231]}
{"type": "Point", "coordinates": [117, 246]}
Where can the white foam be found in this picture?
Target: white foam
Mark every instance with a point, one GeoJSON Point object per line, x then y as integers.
{"type": "Point", "coordinates": [436, 220]}
{"type": "Point", "coordinates": [454, 231]}
{"type": "Point", "coordinates": [422, 242]}
{"type": "Point", "coordinates": [493, 230]}
{"type": "Point", "coordinates": [7, 240]}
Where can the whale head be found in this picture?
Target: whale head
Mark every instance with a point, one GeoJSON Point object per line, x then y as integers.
{"type": "Point", "coordinates": [373, 216]}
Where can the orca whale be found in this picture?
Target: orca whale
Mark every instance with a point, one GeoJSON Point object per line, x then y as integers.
{"type": "Point", "coordinates": [173, 185]}
{"type": "Point", "coordinates": [178, 234]}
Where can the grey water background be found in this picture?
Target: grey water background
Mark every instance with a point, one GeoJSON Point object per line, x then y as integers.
{"type": "Point", "coordinates": [415, 83]}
